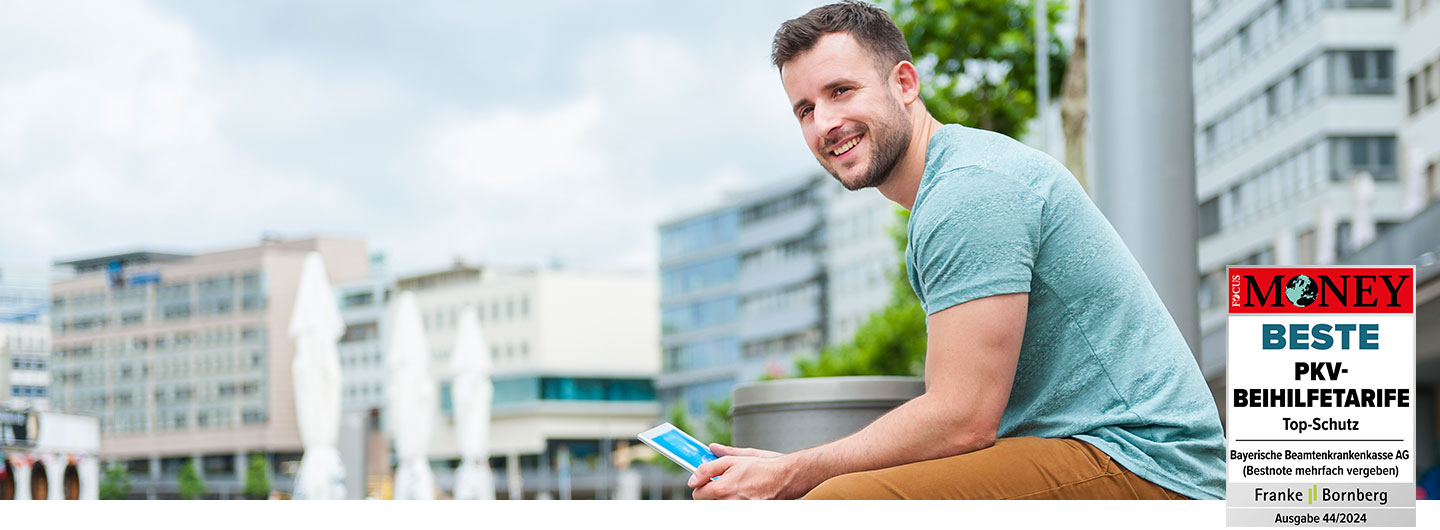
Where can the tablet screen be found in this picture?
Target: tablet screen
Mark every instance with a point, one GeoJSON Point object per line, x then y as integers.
{"type": "Point", "coordinates": [685, 448]}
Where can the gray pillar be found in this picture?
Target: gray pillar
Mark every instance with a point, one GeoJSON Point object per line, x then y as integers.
{"type": "Point", "coordinates": [1142, 120]}
{"type": "Point", "coordinates": [512, 476]}
{"type": "Point", "coordinates": [152, 493]}
{"type": "Point", "coordinates": [1042, 71]}
{"type": "Point", "coordinates": [562, 463]}
{"type": "Point", "coordinates": [606, 485]}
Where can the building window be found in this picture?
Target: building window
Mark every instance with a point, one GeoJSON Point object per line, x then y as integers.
{"type": "Point", "coordinates": [1361, 72]}
{"type": "Point", "coordinates": [1434, 177]}
{"type": "Point", "coordinates": [1352, 155]}
{"type": "Point", "coordinates": [217, 295]}
{"type": "Point", "coordinates": [252, 292]}
{"type": "Point", "coordinates": [1432, 91]}
{"type": "Point", "coordinates": [699, 315]}
{"type": "Point", "coordinates": [1209, 217]}
{"type": "Point", "coordinates": [1416, 93]}
{"type": "Point", "coordinates": [252, 416]}
{"type": "Point", "coordinates": [360, 299]}
{"type": "Point", "coordinates": [695, 277]}
{"type": "Point", "coordinates": [699, 234]}
{"type": "Point", "coordinates": [447, 398]}
{"type": "Point", "coordinates": [174, 301]}
{"type": "Point", "coordinates": [360, 331]}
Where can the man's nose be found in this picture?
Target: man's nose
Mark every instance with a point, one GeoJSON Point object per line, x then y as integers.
{"type": "Point", "coordinates": [827, 121]}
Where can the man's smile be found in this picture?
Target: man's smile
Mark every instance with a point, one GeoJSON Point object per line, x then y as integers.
{"type": "Point", "coordinates": [841, 149]}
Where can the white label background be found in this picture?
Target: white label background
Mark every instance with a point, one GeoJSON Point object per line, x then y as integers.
{"type": "Point", "coordinates": [1250, 366]}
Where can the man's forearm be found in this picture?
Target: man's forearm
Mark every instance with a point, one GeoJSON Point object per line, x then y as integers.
{"type": "Point", "coordinates": [923, 428]}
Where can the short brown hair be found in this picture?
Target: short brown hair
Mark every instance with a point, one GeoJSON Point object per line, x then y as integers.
{"type": "Point", "coordinates": [869, 25]}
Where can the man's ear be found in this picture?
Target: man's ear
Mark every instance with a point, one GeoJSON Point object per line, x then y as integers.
{"type": "Point", "coordinates": [907, 80]}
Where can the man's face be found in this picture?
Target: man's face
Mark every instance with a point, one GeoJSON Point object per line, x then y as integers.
{"type": "Point", "coordinates": [855, 126]}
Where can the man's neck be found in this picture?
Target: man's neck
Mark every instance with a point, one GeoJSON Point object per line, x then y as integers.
{"type": "Point", "coordinates": [904, 180]}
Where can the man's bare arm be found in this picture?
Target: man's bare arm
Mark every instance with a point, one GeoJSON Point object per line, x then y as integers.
{"type": "Point", "coordinates": [970, 361]}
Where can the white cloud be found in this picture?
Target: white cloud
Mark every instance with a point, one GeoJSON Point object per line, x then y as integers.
{"type": "Point", "coordinates": [123, 126]}
{"type": "Point", "coordinates": [112, 140]}
{"type": "Point", "coordinates": [510, 150]}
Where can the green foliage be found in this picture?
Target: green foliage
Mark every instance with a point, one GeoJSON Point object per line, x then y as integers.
{"type": "Point", "coordinates": [977, 59]}
{"type": "Point", "coordinates": [191, 487]}
{"type": "Point", "coordinates": [717, 421]}
{"type": "Point", "coordinates": [115, 485]}
{"type": "Point", "coordinates": [680, 419]}
{"type": "Point", "coordinates": [717, 429]}
{"type": "Point", "coordinates": [891, 341]}
{"type": "Point", "coordinates": [257, 478]}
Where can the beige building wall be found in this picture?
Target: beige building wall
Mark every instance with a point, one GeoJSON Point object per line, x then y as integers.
{"type": "Point", "coordinates": [550, 323]}
{"type": "Point", "coordinates": [346, 260]}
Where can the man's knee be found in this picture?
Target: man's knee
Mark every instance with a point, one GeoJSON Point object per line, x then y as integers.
{"type": "Point", "coordinates": [849, 486]}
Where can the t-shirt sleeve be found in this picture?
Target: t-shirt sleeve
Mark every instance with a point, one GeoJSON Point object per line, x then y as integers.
{"type": "Point", "coordinates": [976, 235]}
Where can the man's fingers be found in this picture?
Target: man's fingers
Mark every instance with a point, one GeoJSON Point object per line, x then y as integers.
{"type": "Point", "coordinates": [707, 492]}
{"type": "Point", "coordinates": [713, 468]}
{"type": "Point", "coordinates": [724, 450]}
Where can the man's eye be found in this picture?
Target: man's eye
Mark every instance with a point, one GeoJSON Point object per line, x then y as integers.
{"type": "Point", "coordinates": [805, 111]}
{"type": "Point", "coordinates": [841, 90]}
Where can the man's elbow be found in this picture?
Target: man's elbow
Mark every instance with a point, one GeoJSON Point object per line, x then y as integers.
{"type": "Point", "coordinates": [973, 438]}
{"type": "Point", "coordinates": [968, 433]}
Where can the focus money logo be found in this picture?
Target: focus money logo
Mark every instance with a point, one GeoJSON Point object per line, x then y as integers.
{"type": "Point", "coordinates": [1320, 290]}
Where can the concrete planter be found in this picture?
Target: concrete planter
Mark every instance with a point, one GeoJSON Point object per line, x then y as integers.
{"type": "Point", "coordinates": [793, 414]}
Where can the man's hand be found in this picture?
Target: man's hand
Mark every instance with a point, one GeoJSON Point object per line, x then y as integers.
{"type": "Point", "coordinates": [744, 474]}
{"type": "Point", "coordinates": [971, 353]}
{"type": "Point", "coordinates": [725, 450]}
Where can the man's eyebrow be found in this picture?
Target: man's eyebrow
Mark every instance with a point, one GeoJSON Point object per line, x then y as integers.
{"type": "Point", "coordinates": [828, 87]}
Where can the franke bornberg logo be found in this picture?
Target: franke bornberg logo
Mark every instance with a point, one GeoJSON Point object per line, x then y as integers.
{"type": "Point", "coordinates": [1321, 290]}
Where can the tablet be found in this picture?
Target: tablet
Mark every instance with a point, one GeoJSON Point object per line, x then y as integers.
{"type": "Point", "coordinates": [678, 446]}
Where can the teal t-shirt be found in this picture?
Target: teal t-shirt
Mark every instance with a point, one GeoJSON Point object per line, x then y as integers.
{"type": "Point", "coordinates": [1102, 360]}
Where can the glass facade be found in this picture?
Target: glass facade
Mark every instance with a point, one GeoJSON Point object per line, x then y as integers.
{"type": "Point", "coordinates": [699, 234]}
{"type": "Point", "coordinates": [700, 276]}
{"type": "Point", "coordinates": [699, 315]}
{"type": "Point", "coordinates": [24, 295]}
{"type": "Point", "coordinates": [724, 351]}
{"type": "Point", "coordinates": [531, 389]}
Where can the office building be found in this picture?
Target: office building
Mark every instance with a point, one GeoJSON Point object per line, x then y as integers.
{"type": "Point", "coordinates": [1418, 63]}
{"type": "Point", "coordinates": [364, 449]}
{"type": "Point", "coordinates": [573, 360]}
{"type": "Point", "coordinates": [187, 357]}
{"type": "Point", "coordinates": [24, 364]}
{"type": "Point", "coordinates": [763, 278]}
{"type": "Point", "coordinates": [24, 337]}
{"type": "Point", "coordinates": [1296, 112]}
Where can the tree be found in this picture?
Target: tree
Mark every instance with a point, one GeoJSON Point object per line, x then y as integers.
{"type": "Point", "coordinates": [1074, 102]}
{"type": "Point", "coordinates": [191, 486]}
{"type": "Point", "coordinates": [257, 478]}
{"type": "Point", "coordinates": [891, 341]}
{"type": "Point", "coordinates": [977, 58]}
{"type": "Point", "coordinates": [718, 421]}
{"type": "Point", "coordinates": [116, 483]}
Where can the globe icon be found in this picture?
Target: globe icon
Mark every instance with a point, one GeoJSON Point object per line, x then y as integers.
{"type": "Point", "coordinates": [1300, 290]}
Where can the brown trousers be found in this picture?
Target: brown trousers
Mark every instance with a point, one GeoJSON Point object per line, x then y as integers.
{"type": "Point", "coordinates": [1013, 468]}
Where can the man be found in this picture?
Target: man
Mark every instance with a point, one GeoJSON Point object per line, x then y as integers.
{"type": "Point", "coordinates": [1052, 369]}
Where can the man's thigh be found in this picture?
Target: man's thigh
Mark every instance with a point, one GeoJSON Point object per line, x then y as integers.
{"type": "Point", "coordinates": [1013, 468]}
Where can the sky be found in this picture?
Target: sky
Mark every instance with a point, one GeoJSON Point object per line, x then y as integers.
{"type": "Point", "coordinates": [500, 132]}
